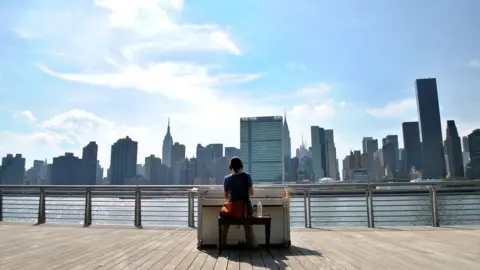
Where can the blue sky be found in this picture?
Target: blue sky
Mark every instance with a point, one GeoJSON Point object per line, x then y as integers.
{"type": "Point", "coordinates": [75, 71]}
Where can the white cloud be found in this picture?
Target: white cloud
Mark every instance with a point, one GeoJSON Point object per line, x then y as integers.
{"type": "Point", "coordinates": [475, 63]}
{"type": "Point", "coordinates": [27, 114]}
{"type": "Point", "coordinates": [401, 109]}
{"type": "Point", "coordinates": [113, 54]}
{"type": "Point", "coordinates": [315, 89]}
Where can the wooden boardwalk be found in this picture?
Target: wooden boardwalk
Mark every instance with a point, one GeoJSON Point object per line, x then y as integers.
{"type": "Point", "coordinates": [58, 247]}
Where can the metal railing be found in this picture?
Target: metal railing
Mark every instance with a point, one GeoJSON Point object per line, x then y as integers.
{"type": "Point", "coordinates": [315, 205]}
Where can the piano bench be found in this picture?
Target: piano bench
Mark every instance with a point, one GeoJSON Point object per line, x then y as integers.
{"type": "Point", "coordinates": [249, 221]}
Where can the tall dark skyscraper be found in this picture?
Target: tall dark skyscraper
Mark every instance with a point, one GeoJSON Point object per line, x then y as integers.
{"type": "Point", "coordinates": [12, 171]}
{"type": "Point", "coordinates": [390, 155]}
{"type": "Point", "coordinates": [217, 150]}
{"type": "Point", "coordinates": [67, 170]}
{"type": "Point", "coordinates": [474, 144]}
{"type": "Point", "coordinates": [89, 160]}
{"type": "Point", "coordinates": [231, 151]}
{"type": "Point", "coordinates": [412, 145]}
{"type": "Point", "coordinates": [261, 148]}
{"type": "Point", "coordinates": [123, 161]}
{"type": "Point", "coordinates": [465, 144]}
{"type": "Point", "coordinates": [167, 147]}
{"type": "Point", "coordinates": [473, 167]}
{"type": "Point", "coordinates": [178, 153]}
{"type": "Point", "coordinates": [433, 159]}
{"type": "Point", "coordinates": [454, 151]}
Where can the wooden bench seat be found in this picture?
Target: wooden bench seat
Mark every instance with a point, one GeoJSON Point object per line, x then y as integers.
{"type": "Point", "coordinates": [231, 220]}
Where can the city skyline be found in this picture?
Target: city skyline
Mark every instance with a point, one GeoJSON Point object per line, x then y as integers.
{"type": "Point", "coordinates": [98, 76]}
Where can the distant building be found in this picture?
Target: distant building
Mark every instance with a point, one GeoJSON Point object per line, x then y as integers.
{"type": "Point", "coordinates": [123, 161]}
{"type": "Point", "coordinates": [167, 147]}
{"type": "Point", "coordinates": [465, 147]}
{"type": "Point", "coordinates": [390, 155]}
{"type": "Point", "coordinates": [324, 154]}
{"type": "Point", "coordinates": [412, 145]}
{"type": "Point", "coordinates": [12, 170]}
{"type": "Point", "coordinates": [473, 167]}
{"type": "Point", "coordinates": [286, 147]}
{"type": "Point", "coordinates": [89, 160]}
{"type": "Point", "coordinates": [178, 152]}
{"type": "Point", "coordinates": [369, 148]}
{"type": "Point", "coordinates": [433, 159]}
{"type": "Point", "coordinates": [36, 174]}
{"type": "Point", "coordinates": [217, 150]}
{"type": "Point", "coordinates": [261, 148]}
{"type": "Point", "coordinates": [153, 170]}
{"type": "Point", "coordinates": [219, 170]}
{"type": "Point", "coordinates": [231, 151]}
{"type": "Point", "coordinates": [453, 149]}
{"type": "Point", "coordinates": [99, 180]}
{"type": "Point", "coordinates": [294, 165]}
{"type": "Point", "coordinates": [67, 170]}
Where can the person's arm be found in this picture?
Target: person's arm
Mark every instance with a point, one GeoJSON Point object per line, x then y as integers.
{"type": "Point", "coordinates": [250, 186]}
{"type": "Point", "coordinates": [225, 188]}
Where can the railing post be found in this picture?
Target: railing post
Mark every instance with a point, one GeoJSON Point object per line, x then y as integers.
{"type": "Point", "coordinates": [309, 208]}
{"type": "Point", "coordinates": [305, 209]}
{"type": "Point", "coordinates": [138, 208]}
{"type": "Point", "coordinates": [371, 211]}
{"type": "Point", "coordinates": [41, 207]}
{"type": "Point", "coordinates": [190, 222]}
{"type": "Point", "coordinates": [1, 205]}
{"type": "Point", "coordinates": [88, 208]}
{"type": "Point", "coordinates": [434, 202]}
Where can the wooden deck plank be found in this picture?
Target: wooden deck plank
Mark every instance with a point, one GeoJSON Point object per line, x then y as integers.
{"type": "Point", "coordinates": [222, 261]}
{"type": "Point", "coordinates": [257, 261]}
{"type": "Point", "coordinates": [167, 253]}
{"type": "Point", "coordinates": [233, 260]}
{"type": "Point", "coordinates": [191, 255]}
{"type": "Point", "coordinates": [268, 260]}
{"type": "Point", "coordinates": [49, 247]}
{"type": "Point", "coordinates": [245, 262]}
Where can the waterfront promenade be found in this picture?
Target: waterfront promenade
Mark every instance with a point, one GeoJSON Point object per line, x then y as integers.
{"type": "Point", "coordinates": [67, 247]}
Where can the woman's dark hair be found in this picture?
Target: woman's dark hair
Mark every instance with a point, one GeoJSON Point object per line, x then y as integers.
{"type": "Point", "coordinates": [236, 164]}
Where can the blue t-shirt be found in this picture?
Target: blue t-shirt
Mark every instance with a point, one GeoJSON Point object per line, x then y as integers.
{"type": "Point", "coordinates": [238, 186]}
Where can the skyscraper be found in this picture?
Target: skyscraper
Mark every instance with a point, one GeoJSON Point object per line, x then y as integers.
{"type": "Point", "coordinates": [153, 170]}
{"type": "Point", "coordinates": [178, 153]}
{"type": "Point", "coordinates": [231, 151]}
{"type": "Point", "coordinates": [89, 160]}
{"type": "Point", "coordinates": [331, 155]}
{"type": "Point", "coordinates": [123, 161]}
{"type": "Point", "coordinates": [324, 154]}
{"type": "Point", "coordinates": [390, 155]}
{"type": "Point", "coordinates": [412, 145]}
{"type": "Point", "coordinates": [261, 148]}
{"type": "Point", "coordinates": [286, 146]}
{"type": "Point", "coordinates": [67, 170]}
{"type": "Point", "coordinates": [433, 160]}
{"type": "Point", "coordinates": [167, 147]}
{"type": "Point", "coordinates": [465, 146]}
{"type": "Point", "coordinates": [454, 151]}
{"type": "Point", "coordinates": [217, 150]}
{"type": "Point", "coordinates": [369, 147]}
{"type": "Point", "coordinates": [12, 171]}
{"type": "Point", "coordinates": [473, 167]}
{"type": "Point", "coordinates": [319, 151]}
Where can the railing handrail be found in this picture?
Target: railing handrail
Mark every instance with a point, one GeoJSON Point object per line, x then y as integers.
{"type": "Point", "coordinates": [299, 186]}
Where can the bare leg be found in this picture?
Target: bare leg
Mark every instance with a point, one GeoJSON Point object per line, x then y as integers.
{"type": "Point", "coordinates": [225, 235]}
{"type": "Point", "coordinates": [250, 236]}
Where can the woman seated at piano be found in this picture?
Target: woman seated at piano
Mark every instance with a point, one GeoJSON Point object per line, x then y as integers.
{"type": "Point", "coordinates": [238, 188]}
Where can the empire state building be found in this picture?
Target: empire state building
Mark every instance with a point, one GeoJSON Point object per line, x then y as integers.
{"type": "Point", "coordinates": [167, 147]}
